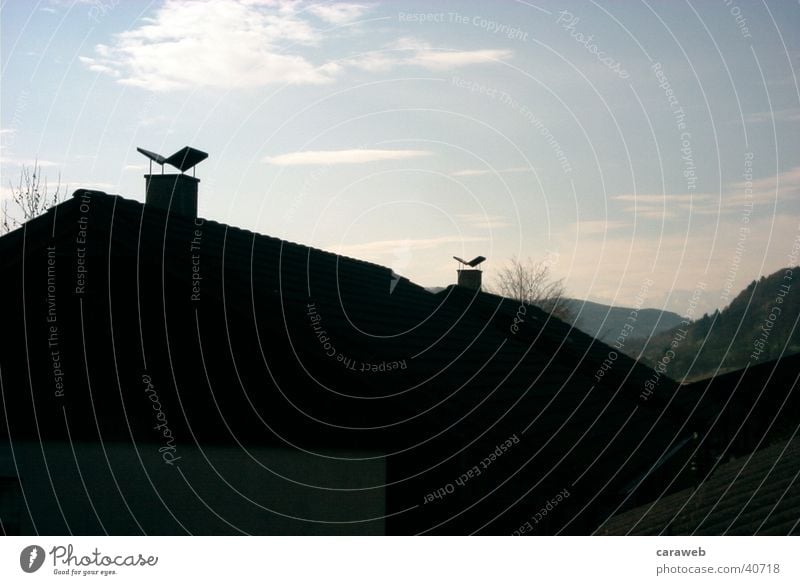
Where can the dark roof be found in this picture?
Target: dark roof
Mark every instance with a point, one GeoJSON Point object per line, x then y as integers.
{"type": "Point", "coordinates": [434, 381]}
{"type": "Point", "coordinates": [755, 494]}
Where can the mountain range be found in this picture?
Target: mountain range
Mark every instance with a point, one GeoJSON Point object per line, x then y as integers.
{"type": "Point", "coordinates": [759, 325]}
{"type": "Point", "coordinates": [605, 322]}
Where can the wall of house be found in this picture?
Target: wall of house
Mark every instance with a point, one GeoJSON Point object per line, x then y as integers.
{"type": "Point", "coordinates": [121, 488]}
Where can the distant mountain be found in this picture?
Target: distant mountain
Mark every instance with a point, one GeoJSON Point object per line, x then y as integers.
{"type": "Point", "coordinates": [606, 322]}
{"type": "Point", "coordinates": [759, 325]}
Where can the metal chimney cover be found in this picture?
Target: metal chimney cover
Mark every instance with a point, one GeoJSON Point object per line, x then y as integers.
{"type": "Point", "coordinates": [186, 158]}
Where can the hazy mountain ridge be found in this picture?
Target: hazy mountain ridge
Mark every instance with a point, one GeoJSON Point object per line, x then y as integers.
{"type": "Point", "coordinates": [605, 321]}
{"type": "Point", "coordinates": [759, 325]}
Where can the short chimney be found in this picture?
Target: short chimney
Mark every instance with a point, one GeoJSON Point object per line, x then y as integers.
{"type": "Point", "coordinates": [172, 192]}
{"type": "Point", "coordinates": [470, 278]}
{"type": "Point", "coordinates": [469, 275]}
{"type": "Point", "coordinates": [176, 192]}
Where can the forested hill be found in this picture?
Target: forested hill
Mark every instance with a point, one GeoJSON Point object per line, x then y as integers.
{"type": "Point", "coordinates": [759, 325]}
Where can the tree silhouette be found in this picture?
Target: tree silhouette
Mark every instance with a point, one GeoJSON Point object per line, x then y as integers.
{"type": "Point", "coordinates": [31, 197]}
{"type": "Point", "coordinates": [531, 283]}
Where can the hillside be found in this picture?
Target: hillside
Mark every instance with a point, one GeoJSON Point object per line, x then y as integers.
{"type": "Point", "coordinates": [759, 325]}
{"type": "Point", "coordinates": [605, 322]}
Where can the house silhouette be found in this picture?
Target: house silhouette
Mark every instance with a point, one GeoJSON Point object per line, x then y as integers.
{"type": "Point", "coordinates": [166, 374]}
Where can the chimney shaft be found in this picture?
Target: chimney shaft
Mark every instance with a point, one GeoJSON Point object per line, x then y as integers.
{"type": "Point", "coordinates": [175, 193]}
{"type": "Point", "coordinates": [470, 278]}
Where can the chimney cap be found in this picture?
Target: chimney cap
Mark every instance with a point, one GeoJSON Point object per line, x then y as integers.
{"type": "Point", "coordinates": [153, 156]}
{"type": "Point", "coordinates": [186, 158]}
{"type": "Point", "coordinates": [183, 160]}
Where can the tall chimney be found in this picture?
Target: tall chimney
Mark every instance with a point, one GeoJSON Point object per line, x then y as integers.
{"type": "Point", "coordinates": [173, 192]}
{"type": "Point", "coordinates": [470, 277]}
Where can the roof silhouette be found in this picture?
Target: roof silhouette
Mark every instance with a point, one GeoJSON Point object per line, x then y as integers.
{"type": "Point", "coordinates": [252, 340]}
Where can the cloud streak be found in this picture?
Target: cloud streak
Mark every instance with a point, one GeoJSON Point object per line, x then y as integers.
{"type": "Point", "coordinates": [660, 206]}
{"type": "Point", "coordinates": [597, 227]}
{"type": "Point", "coordinates": [410, 51]}
{"type": "Point", "coordinates": [342, 157]}
{"type": "Point", "coordinates": [338, 14]}
{"type": "Point", "coordinates": [787, 115]}
{"type": "Point", "coordinates": [483, 172]}
{"type": "Point", "coordinates": [484, 222]}
{"type": "Point", "coordinates": [27, 162]}
{"type": "Point", "coordinates": [782, 187]}
{"type": "Point", "coordinates": [390, 247]}
{"type": "Point", "coordinates": [445, 60]}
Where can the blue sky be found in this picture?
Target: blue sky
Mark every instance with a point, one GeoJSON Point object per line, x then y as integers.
{"type": "Point", "coordinates": [624, 142]}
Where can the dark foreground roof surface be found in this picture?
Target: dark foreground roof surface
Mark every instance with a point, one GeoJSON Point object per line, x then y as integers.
{"type": "Point", "coordinates": [755, 494]}
{"type": "Point", "coordinates": [248, 340]}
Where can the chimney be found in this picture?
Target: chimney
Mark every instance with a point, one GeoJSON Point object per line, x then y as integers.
{"type": "Point", "coordinates": [173, 192]}
{"type": "Point", "coordinates": [469, 275]}
{"type": "Point", "coordinates": [470, 278]}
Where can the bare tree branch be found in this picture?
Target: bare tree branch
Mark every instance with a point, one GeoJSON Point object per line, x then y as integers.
{"type": "Point", "coordinates": [531, 283]}
{"type": "Point", "coordinates": [31, 197]}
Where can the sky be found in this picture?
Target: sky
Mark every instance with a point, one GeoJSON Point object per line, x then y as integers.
{"type": "Point", "coordinates": [648, 151]}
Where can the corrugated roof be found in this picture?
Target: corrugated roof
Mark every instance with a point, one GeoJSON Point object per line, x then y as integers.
{"type": "Point", "coordinates": [758, 494]}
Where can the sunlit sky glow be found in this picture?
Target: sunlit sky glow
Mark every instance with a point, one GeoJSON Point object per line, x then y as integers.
{"type": "Point", "coordinates": [614, 138]}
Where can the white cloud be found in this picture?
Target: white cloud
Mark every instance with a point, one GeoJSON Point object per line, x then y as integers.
{"type": "Point", "coordinates": [422, 54]}
{"type": "Point", "coordinates": [95, 185]}
{"type": "Point", "coordinates": [339, 157]}
{"type": "Point", "coordinates": [215, 43]}
{"type": "Point", "coordinates": [783, 186]}
{"type": "Point", "coordinates": [380, 248]}
{"type": "Point", "coordinates": [660, 197]}
{"type": "Point", "coordinates": [787, 115]}
{"type": "Point", "coordinates": [482, 172]}
{"type": "Point", "coordinates": [6, 133]}
{"type": "Point", "coordinates": [597, 227]}
{"type": "Point", "coordinates": [444, 60]}
{"type": "Point", "coordinates": [6, 193]}
{"type": "Point", "coordinates": [661, 206]}
{"type": "Point", "coordinates": [229, 44]}
{"type": "Point", "coordinates": [372, 62]}
{"type": "Point", "coordinates": [654, 213]}
{"type": "Point", "coordinates": [340, 13]}
{"type": "Point", "coordinates": [28, 162]}
{"type": "Point", "coordinates": [735, 196]}
{"type": "Point", "coordinates": [99, 67]}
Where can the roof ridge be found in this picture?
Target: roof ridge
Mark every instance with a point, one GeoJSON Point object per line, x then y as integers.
{"type": "Point", "coordinates": [227, 227]}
